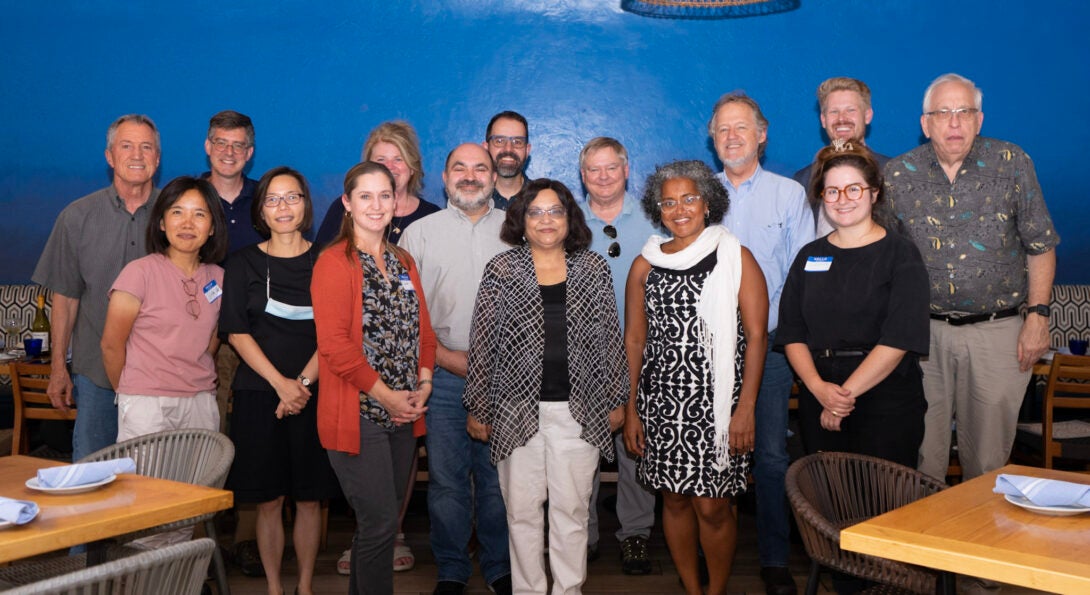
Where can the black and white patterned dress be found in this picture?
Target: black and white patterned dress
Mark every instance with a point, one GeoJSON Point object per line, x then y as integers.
{"type": "Point", "coordinates": [675, 394]}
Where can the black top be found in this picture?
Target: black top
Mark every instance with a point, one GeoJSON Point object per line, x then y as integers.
{"type": "Point", "coordinates": [288, 344]}
{"type": "Point", "coordinates": [555, 384]}
{"type": "Point", "coordinates": [327, 232]}
{"type": "Point", "coordinates": [876, 294]}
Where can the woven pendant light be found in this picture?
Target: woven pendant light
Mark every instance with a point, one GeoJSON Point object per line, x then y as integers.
{"type": "Point", "coordinates": [707, 9]}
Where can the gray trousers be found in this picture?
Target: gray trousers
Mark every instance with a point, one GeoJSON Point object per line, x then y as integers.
{"type": "Point", "coordinates": [374, 484]}
{"type": "Point", "coordinates": [635, 502]}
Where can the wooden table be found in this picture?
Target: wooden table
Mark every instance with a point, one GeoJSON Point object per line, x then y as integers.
{"type": "Point", "coordinates": [130, 503]}
{"type": "Point", "coordinates": [968, 529]}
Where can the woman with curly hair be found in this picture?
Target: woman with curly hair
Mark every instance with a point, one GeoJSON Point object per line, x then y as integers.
{"type": "Point", "coordinates": [696, 311]}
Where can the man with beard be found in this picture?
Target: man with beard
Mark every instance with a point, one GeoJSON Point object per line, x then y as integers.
{"type": "Point", "coordinates": [507, 140]}
{"type": "Point", "coordinates": [769, 215]}
{"type": "Point", "coordinates": [845, 114]}
{"type": "Point", "coordinates": [451, 248]}
{"type": "Point", "coordinates": [92, 240]}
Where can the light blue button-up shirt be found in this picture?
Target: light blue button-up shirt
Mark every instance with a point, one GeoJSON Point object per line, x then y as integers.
{"type": "Point", "coordinates": [769, 214]}
{"type": "Point", "coordinates": [633, 229]}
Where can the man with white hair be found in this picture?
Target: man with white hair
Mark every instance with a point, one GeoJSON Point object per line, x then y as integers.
{"type": "Point", "coordinates": [975, 210]}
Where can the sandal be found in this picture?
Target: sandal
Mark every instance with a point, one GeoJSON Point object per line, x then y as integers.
{"type": "Point", "coordinates": [344, 563]}
{"type": "Point", "coordinates": [403, 556]}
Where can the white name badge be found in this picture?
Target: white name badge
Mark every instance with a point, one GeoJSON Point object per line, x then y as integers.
{"type": "Point", "coordinates": [406, 282]}
{"type": "Point", "coordinates": [212, 291]}
{"type": "Point", "coordinates": [818, 264]}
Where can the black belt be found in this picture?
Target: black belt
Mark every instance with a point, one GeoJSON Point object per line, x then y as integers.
{"type": "Point", "coordinates": [960, 319]}
{"type": "Point", "coordinates": [824, 353]}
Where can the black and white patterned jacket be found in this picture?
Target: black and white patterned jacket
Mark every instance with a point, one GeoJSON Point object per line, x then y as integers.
{"type": "Point", "coordinates": [507, 343]}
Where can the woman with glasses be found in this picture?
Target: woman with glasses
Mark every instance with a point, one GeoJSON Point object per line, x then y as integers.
{"type": "Point", "coordinates": [854, 319]}
{"type": "Point", "coordinates": [696, 311]}
{"type": "Point", "coordinates": [546, 381]}
{"type": "Point", "coordinates": [395, 145]}
{"type": "Point", "coordinates": [376, 356]}
{"type": "Point", "coordinates": [268, 319]}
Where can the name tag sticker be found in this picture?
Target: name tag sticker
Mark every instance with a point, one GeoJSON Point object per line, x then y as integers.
{"type": "Point", "coordinates": [406, 282]}
{"type": "Point", "coordinates": [212, 291]}
{"type": "Point", "coordinates": [818, 264]}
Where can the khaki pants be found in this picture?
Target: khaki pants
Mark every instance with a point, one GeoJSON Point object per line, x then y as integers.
{"type": "Point", "coordinates": [972, 375]}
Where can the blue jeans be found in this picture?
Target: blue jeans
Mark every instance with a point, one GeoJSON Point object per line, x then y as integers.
{"type": "Point", "coordinates": [462, 483]}
{"type": "Point", "coordinates": [96, 421]}
{"type": "Point", "coordinates": [770, 460]}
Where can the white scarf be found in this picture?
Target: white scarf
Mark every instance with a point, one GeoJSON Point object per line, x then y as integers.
{"type": "Point", "coordinates": [718, 309]}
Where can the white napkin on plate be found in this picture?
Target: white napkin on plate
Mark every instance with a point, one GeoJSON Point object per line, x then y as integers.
{"type": "Point", "coordinates": [80, 474]}
{"type": "Point", "coordinates": [17, 511]}
{"type": "Point", "coordinates": [1044, 492]}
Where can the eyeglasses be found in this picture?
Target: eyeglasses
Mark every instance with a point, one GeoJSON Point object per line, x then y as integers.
{"type": "Point", "coordinates": [273, 200]}
{"type": "Point", "coordinates": [554, 212]}
{"type": "Point", "coordinates": [944, 115]}
{"type": "Point", "coordinates": [499, 140]}
{"type": "Point", "coordinates": [670, 204]}
{"type": "Point", "coordinates": [221, 145]}
{"type": "Point", "coordinates": [852, 191]}
{"type": "Point", "coordinates": [193, 307]}
{"type": "Point", "coordinates": [614, 249]}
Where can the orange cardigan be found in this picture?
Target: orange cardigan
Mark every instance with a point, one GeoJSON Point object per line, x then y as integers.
{"type": "Point", "coordinates": [336, 291]}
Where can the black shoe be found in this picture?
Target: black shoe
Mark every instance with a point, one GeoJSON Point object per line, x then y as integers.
{"type": "Point", "coordinates": [778, 581]}
{"type": "Point", "coordinates": [592, 552]}
{"type": "Point", "coordinates": [501, 586]}
{"type": "Point", "coordinates": [634, 558]}
{"type": "Point", "coordinates": [246, 556]}
{"type": "Point", "coordinates": [449, 588]}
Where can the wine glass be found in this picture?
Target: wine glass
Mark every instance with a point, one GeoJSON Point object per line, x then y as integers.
{"type": "Point", "coordinates": [12, 329]}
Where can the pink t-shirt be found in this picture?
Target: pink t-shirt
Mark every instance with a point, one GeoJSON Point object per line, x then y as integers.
{"type": "Point", "coordinates": [167, 351]}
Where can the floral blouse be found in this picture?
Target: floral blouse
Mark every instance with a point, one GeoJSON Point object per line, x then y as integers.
{"type": "Point", "coordinates": [391, 320]}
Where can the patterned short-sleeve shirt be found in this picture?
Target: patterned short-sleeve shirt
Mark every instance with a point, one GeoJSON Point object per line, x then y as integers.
{"type": "Point", "coordinates": [974, 233]}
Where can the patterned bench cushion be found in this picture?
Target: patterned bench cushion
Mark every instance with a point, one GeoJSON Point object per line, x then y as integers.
{"type": "Point", "coordinates": [22, 301]}
{"type": "Point", "coordinates": [1070, 314]}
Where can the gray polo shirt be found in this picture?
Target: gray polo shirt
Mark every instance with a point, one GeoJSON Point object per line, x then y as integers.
{"type": "Point", "coordinates": [450, 252]}
{"type": "Point", "coordinates": [92, 240]}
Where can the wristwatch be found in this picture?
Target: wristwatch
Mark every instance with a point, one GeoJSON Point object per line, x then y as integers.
{"type": "Point", "coordinates": [1040, 310]}
{"type": "Point", "coordinates": [304, 380]}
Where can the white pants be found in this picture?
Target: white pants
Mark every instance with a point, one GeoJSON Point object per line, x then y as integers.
{"type": "Point", "coordinates": [557, 466]}
{"type": "Point", "coordinates": [139, 415]}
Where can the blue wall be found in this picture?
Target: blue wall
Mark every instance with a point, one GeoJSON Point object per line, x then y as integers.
{"type": "Point", "coordinates": [316, 77]}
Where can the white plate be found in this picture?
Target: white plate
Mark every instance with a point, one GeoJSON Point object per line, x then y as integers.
{"type": "Point", "coordinates": [1049, 510]}
{"type": "Point", "coordinates": [32, 483]}
{"type": "Point", "coordinates": [7, 357]}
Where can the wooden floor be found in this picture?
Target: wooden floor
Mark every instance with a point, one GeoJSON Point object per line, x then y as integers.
{"type": "Point", "coordinates": [604, 575]}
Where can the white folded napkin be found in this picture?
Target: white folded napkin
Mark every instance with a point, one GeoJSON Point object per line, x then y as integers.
{"type": "Point", "coordinates": [17, 511]}
{"type": "Point", "coordinates": [1044, 492]}
{"type": "Point", "coordinates": [80, 474]}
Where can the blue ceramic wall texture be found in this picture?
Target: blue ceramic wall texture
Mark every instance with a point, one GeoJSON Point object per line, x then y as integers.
{"type": "Point", "coordinates": [316, 77]}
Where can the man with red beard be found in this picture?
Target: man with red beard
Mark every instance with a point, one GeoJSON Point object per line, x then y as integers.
{"type": "Point", "coordinates": [845, 114]}
{"type": "Point", "coordinates": [451, 248]}
{"type": "Point", "coordinates": [92, 240]}
{"type": "Point", "coordinates": [507, 140]}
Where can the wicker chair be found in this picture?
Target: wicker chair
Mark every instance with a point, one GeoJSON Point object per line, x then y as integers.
{"type": "Point", "coordinates": [175, 570]}
{"type": "Point", "coordinates": [830, 491]}
{"type": "Point", "coordinates": [201, 457]}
